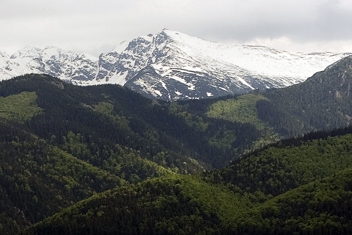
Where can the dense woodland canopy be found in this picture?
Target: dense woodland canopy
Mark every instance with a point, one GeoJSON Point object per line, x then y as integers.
{"type": "Point", "coordinates": [308, 194]}
{"type": "Point", "coordinates": [104, 160]}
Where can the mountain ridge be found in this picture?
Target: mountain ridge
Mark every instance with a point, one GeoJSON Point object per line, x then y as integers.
{"type": "Point", "coordinates": [171, 65]}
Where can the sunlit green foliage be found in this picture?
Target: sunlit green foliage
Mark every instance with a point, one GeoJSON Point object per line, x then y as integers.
{"type": "Point", "coordinates": [242, 109]}
{"type": "Point", "coordinates": [194, 121]}
{"type": "Point", "coordinates": [218, 199]}
{"type": "Point", "coordinates": [20, 107]}
{"type": "Point", "coordinates": [108, 109]}
{"type": "Point", "coordinates": [122, 161]}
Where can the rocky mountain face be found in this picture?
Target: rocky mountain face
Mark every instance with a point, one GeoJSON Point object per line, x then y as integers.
{"type": "Point", "coordinates": [66, 65]}
{"type": "Point", "coordinates": [171, 66]}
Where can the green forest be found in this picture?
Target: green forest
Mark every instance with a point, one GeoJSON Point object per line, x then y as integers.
{"type": "Point", "coordinates": [105, 160]}
{"type": "Point", "coordinates": [264, 194]}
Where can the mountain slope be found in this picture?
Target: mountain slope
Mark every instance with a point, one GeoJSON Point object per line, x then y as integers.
{"type": "Point", "coordinates": [184, 67]}
{"type": "Point", "coordinates": [171, 66]}
{"type": "Point", "coordinates": [178, 205]}
{"type": "Point", "coordinates": [38, 179]}
{"type": "Point", "coordinates": [189, 204]}
{"type": "Point", "coordinates": [105, 120]}
{"type": "Point", "coordinates": [101, 117]}
{"type": "Point", "coordinates": [321, 102]}
{"type": "Point", "coordinates": [289, 163]}
{"type": "Point", "coordinates": [320, 207]}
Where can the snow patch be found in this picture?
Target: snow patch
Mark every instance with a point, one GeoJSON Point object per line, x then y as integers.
{"type": "Point", "coordinates": [119, 78]}
{"type": "Point", "coordinates": [121, 47]}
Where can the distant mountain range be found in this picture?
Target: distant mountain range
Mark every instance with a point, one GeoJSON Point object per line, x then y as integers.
{"type": "Point", "coordinates": [171, 65]}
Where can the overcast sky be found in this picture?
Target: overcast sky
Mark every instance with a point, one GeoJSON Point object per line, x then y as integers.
{"type": "Point", "coordinates": [94, 26]}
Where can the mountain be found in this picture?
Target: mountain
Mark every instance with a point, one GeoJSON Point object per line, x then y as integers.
{"type": "Point", "coordinates": [103, 121]}
{"type": "Point", "coordinates": [321, 102]}
{"type": "Point", "coordinates": [304, 188]}
{"type": "Point", "coordinates": [50, 60]}
{"type": "Point", "coordinates": [184, 67]}
{"type": "Point", "coordinates": [38, 179]}
{"type": "Point", "coordinates": [171, 66]}
{"type": "Point", "coordinates": [211, 132]}
{"type": "Point", "coordinates": [60, 143]}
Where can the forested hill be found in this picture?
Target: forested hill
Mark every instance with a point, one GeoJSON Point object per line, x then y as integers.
{"type": "Point", "coordinates": [61, 143]}
{"type": "Point", "coordinates": [102, 116]}
{"type": "Point", "coordinates": [298, 188]}
{"type": "Point", "coordinates": [202, 133]}
{"type": "Point", "coordinates": [323, 101]}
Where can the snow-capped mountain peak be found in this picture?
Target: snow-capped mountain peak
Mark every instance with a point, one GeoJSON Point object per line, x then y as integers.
{"type": "Point", "coordinates": [51, 60]}
{"type": "Point", "coordinates": [27, 52]}
{"type": "Point", "coordinates": [171, 65]}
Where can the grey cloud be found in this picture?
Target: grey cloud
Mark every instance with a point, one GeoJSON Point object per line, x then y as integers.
{"type": "Point", "coordinates": [334, 21]}
{"type": "Point", "coordinates": [327, 20]}
{"type": "Point", "coordinates": [88, 25]}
